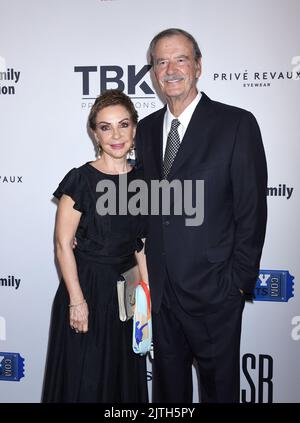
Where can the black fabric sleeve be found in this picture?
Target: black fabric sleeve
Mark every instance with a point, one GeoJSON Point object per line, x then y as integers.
{"type": "Point", "coordinates": [75, 186]}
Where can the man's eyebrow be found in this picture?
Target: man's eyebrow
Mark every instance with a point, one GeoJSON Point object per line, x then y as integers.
{"type": "Point", "coordinates": [179, 56]}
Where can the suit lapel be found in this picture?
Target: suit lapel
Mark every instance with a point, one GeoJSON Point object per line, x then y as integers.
{"type": "Point", "coordinates": [194, 134]}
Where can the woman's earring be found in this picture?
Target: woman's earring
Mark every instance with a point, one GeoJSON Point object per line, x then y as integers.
{"type": "Point", "coordinates": [131, 153]}
{"type": "Point", "coordinates": [99, 151]}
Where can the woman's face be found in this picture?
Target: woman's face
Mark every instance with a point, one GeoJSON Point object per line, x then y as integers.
{"type": "Point", "coordinates": [115, 131]}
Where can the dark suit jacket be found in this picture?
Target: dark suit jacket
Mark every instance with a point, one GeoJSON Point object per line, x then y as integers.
{"type": "Point", "coordinates": [222, 146]}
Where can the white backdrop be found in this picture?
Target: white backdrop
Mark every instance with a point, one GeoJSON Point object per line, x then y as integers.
{"type": "Point", "coordinates": [251, 59]}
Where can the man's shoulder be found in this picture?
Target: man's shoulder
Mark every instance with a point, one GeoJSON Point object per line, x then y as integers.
{"type": "Point", "coordinates": [229, 114]}
{"type": "Point", "coordinates": [227, 109]}
{"type": "Point", "coordinates": [149, 119]}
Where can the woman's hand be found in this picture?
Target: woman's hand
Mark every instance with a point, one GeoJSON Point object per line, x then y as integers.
{"type": "Point", "coordinates": [79, 317]}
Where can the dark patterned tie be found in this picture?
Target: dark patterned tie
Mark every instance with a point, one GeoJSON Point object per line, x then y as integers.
{"type": "Point", "coordinates": [173, 143]}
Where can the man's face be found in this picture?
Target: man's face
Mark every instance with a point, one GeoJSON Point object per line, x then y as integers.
{"type": "Point", "coordinates": [175, 68]}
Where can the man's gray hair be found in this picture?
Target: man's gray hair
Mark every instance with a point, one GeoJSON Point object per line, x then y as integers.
{"type": "Point", "coordinates": [169, 33]}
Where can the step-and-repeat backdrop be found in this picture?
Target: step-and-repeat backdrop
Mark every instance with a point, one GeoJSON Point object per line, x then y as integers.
{"type": "Point", "coordinates": [56, 56]}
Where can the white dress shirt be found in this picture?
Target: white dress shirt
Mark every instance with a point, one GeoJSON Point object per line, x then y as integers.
{"type": "Point", "coordinates": [184, 120]}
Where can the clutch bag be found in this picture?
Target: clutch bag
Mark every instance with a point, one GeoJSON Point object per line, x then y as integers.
{"type": "Point", "coordinates": [126, 286]}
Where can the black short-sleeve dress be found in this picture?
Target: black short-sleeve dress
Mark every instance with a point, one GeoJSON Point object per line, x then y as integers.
{"type": "Point", "coordinates": [99, 366]}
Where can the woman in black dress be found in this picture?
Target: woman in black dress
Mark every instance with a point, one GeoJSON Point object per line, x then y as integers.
{"type": "Point", "coordinates": [90, 356]}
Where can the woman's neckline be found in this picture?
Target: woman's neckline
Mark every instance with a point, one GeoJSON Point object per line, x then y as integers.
{"type": "Point", "coordinates": [109, 174]}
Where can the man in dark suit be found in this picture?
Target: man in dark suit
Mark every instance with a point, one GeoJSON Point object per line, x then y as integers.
{"type": "Point", "coordinates": [200, 275]}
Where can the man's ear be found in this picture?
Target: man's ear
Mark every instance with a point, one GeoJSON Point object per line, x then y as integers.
{"type": "Point", "coordinates": [198, 68]}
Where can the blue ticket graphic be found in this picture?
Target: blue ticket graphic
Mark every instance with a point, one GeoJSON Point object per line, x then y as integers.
{"type": "Point", "coordinates": [11, 366]}
{"type": "Point", "coordinates": [274, 285]}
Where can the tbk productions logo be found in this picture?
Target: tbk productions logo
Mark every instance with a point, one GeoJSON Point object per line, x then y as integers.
{"type": "Point", "coordinates": [131, 79]}
{"type": "Point", "coordinates": [274, 285]}
{"type": "Point", "coordinates": [11, 366]}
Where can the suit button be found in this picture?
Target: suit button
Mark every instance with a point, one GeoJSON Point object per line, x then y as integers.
{"type": "Point", "coordinates": [166, 222]}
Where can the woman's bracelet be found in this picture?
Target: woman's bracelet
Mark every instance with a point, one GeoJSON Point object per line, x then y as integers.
{"type": "Point", "coordinates": [75, 305]}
